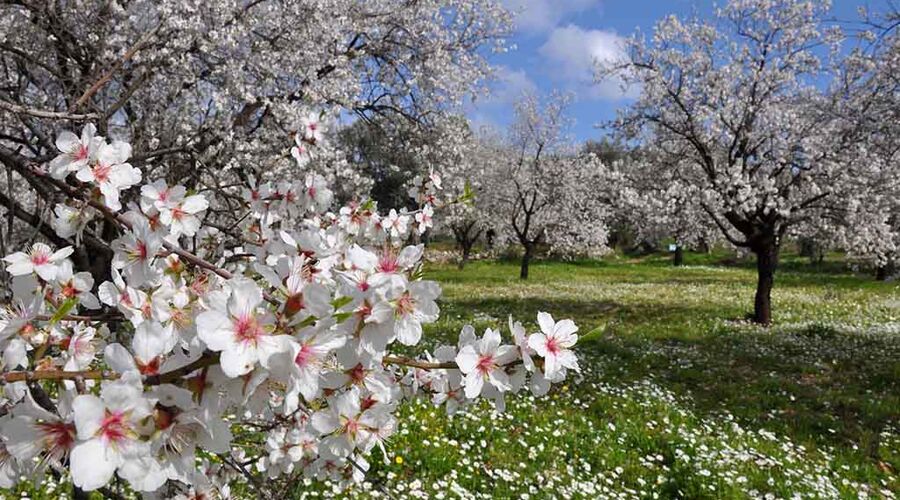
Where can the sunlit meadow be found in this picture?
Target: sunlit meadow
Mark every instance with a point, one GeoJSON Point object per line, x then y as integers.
{"type": "Point", "coordinates": [679, 397]}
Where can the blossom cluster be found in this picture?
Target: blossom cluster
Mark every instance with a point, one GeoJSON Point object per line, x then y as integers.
{"type": "Point", "coordinates": [290, 325]}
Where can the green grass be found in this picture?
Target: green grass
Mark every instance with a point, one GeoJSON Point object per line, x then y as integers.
{"type": "Point", "coordinates": [679, 396]}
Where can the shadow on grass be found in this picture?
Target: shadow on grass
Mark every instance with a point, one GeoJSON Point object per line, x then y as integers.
{"type": "Point", "coordinates": [818, 386]}
{"type": "Point", "coordinates": [590, 314]}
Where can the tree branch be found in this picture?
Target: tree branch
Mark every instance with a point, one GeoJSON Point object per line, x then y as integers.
{"type": "Point", "coordinates": [52, 115]}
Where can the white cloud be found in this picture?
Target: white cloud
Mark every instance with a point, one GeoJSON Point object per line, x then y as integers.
{"type": "Point", "coordinates": [540, 16]}
{"type": "Point", "coordinates": [511, 84]}
{"type": "Point", "coordinates": [507, 87]}
{"type": "Point", "coordinates": [571, 54]}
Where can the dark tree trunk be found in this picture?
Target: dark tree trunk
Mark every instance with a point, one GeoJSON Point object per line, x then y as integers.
{"type": "Point", "coordinates": [465, 240]}
{"type": "Point", "coordinates": [678, 257]}
{"type": "Point", "coordinates": [526, 260]}
{"type": "Point", "coordinates": [466, 250]}
{"type": "Point", "coordinates": [703, 246]}
{"type": "Point", "coordinates": [766, 263]}
{"type": "Point", "coordinates": [885, 271]}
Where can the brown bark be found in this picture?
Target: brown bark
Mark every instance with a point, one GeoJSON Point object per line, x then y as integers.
{"type": "Point", "coordinates": [526, 260]}
{"type": "Point", "coordinates": [766, 263]}
{"type": "Point", "coordinates": [678, 257]}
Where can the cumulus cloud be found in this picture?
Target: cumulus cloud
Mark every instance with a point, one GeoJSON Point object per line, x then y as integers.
{"type": "Point", "coordinates": [511, 84]}
{"type": "Point", "coordinates": [541, 16]}
{"type": "Point", "coordinates": [508, 86]}
{"type": "Point", "coordinates": [571, 53]}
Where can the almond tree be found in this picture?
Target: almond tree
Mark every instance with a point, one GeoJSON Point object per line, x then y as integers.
{"type": "Point", "coordinates": [542, 191]}
{"type": "Point", "coordinates": [467, 180]}
{"type": "Point", "coordinates": [646, 198]}
{"type": "Point", "coordinates": [201, 89]}
{"type": "Point", "coordinates": [191, 307]}
{"type": "Point", "coordinates": [264, 361]}
{"type": "Point", "coordinates": [732, 105]}
{"type": "Point", "coordinates": [869, 228]}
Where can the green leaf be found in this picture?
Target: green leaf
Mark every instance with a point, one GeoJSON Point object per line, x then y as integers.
{"type": "Point", "coordinates": [341, 302]}
{"type": "Point", "coordinates": [63, 310]}
{"type": "Point", "coordinates": [309, 321]}
{"type": "Point", "coordinates": [468, 195]}
{"type": "Point", "coordinates": [595, 333]}
{"type": "Point", "coordinates": [342, 316]}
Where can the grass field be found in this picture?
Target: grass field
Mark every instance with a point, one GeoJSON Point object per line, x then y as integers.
{"type": "Point", "coordinates": [679, 397]}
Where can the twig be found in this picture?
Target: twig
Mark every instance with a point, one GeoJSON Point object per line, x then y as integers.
{"type": "Point", "coordinates": [124, 222]}
{"type": "Point", "coordinates": [207, 359]}
{"type": "Point", "coordinates": [83, 317]}
{"type": "Point", "coordinates": [53, 115]}
{"type": "Point", "coordinates": [415, 363]}
{"type": "Point", "coordinates": [108, 75]}
{"type": "Point", "coordinates": [254, 481]}
{"type": "Point", "coordinates": [429, 365]}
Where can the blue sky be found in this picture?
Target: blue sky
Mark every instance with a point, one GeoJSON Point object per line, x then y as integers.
{"type": "Point", "coordinates": [557, 40]}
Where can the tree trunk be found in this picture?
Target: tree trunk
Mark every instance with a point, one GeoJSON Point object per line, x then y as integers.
{"type": "Point", "coordinates": [703, 246]}
{"type": "Point", "coordinates": [885, 271]}
{"type": "Point", "coordinates": [766, 262]}
{"type": "Point", "coordinates": [526, 259]}
{"type": "Point", "coordinates": [678, 258]}
{"type": "Point", "coordinates": [466, 249]}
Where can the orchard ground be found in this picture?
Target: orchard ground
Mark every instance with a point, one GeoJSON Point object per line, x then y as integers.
{"type": "Point", "coordinates": [679, 396]}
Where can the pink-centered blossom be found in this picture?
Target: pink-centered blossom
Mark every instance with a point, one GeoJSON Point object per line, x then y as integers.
{"type": "Point", "coordinates": [554, 343]}
{"type": "Point", "coordinates": [240, 330]}
{"type": "Point", "coordinates": [484, 360]}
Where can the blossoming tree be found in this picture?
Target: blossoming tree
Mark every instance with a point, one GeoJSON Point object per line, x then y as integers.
{"type": "Point", "coordinates": [204, 305]}
{"type": "Point", "coordinates": [202, 363]}
{"type": "Point", "coordinates": [542, 192]}
{"type": "Point", "coordinates": [646, 198]}
{"type": "Point", "coordinates": [205, 91]}
{"type": "Point", "coordinates": [869, 227]}
{"type": "Point", "coordinates": [733, 106]}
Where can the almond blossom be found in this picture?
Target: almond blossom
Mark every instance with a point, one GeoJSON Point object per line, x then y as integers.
{"type": "Point", "coordinates": [312, 129]}
{"type": "Point", "coordinates": [80, 347]}
{"type": "Point", "coordinates": [108, 432]}
{"type": "Point", "coordinates": [554, 343]}
{"type": "Point", "coordinates": [410, 309]}
{"type": "Point", "coordinates": [305, 363]}
{"type": "Point", "coordinates": [181, 215]}
{"type": "Point", "coordinates": [69, 221]}
{"type": "Point", "coordinates": [285, 320]}
{"type": "Point", "coordinates": [347, 426]}
{"type": "Point", "coordinates": [40, 260]}
{"type": "Point", "coordinates": [424, 219]}
{"type": "Point", "coordinates": [136, 251]}
{"type": "Point", "coordinates": [111, 173]}
{"type": "Point", "coordinates": [239, 330]}
{"type": "Point", "coordinates": [396, 224]}
{"type": "Point", "coordinates": [76, 152]}
{"type": "Point", "coordinates": [77, 286]}
{"type": "Point", "coordinates": [484, 360]}
{"type": "Point", "coordinates": [34, 432]}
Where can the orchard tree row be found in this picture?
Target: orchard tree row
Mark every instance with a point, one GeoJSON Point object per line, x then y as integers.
{"type": "Point", "coordinates": [763, 123]}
